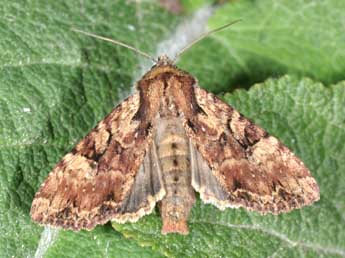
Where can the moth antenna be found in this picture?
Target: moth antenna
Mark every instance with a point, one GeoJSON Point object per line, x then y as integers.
{"type": "Point", "coordinates": [204, 35]}
{"type": "Point", "coordinates": [116, 42]}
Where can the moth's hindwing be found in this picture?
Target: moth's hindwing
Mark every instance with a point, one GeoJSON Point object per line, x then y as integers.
{"type": "Point", "coordinates": [253, 169]}
{"type": "Point", "coordinates": [106, 176]}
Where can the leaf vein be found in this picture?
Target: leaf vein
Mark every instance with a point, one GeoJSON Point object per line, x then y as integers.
{"type": "Point", "coordinates": [280, 236]}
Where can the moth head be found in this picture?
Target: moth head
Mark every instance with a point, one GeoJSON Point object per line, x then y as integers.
{"type": "Point", "coordinates": [164, 60]}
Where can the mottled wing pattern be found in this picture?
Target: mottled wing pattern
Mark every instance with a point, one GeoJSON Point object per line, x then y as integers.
{"type": "Point", "coordinates": [254, 169]}
{"type": "Point", "coordinates": [106, 176]}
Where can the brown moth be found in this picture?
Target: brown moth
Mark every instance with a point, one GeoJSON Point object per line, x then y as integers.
{"type": "Point", "coordinates": [160, 145]}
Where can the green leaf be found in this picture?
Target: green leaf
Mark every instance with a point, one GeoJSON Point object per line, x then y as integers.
{"type": "Point", "coordinates": [55, 85]}
{"type": "Point", "coordinates": [305, 38]}
{"type": "Point", "coordinates": [193, 5]}
{"type": "Point", "coordinates": [308, 118]}
{"type": "Point", "coordinates": [100, 242]}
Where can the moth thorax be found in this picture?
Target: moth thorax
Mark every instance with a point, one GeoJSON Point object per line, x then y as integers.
{"type": "Point", "coordinates": [173, 153]}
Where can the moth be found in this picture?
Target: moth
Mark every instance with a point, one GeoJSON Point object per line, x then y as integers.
{"type": "Point", "coordinates": [162, 144]}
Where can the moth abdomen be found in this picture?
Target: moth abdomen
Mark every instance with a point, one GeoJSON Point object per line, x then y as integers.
{"type": "Point", "coordinates": [174, 158]}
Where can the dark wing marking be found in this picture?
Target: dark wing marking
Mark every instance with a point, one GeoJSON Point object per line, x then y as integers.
{"type": "Point", "coordinates": [106, 176]}
{"type": "Point", "coordinates": [254, 169]}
